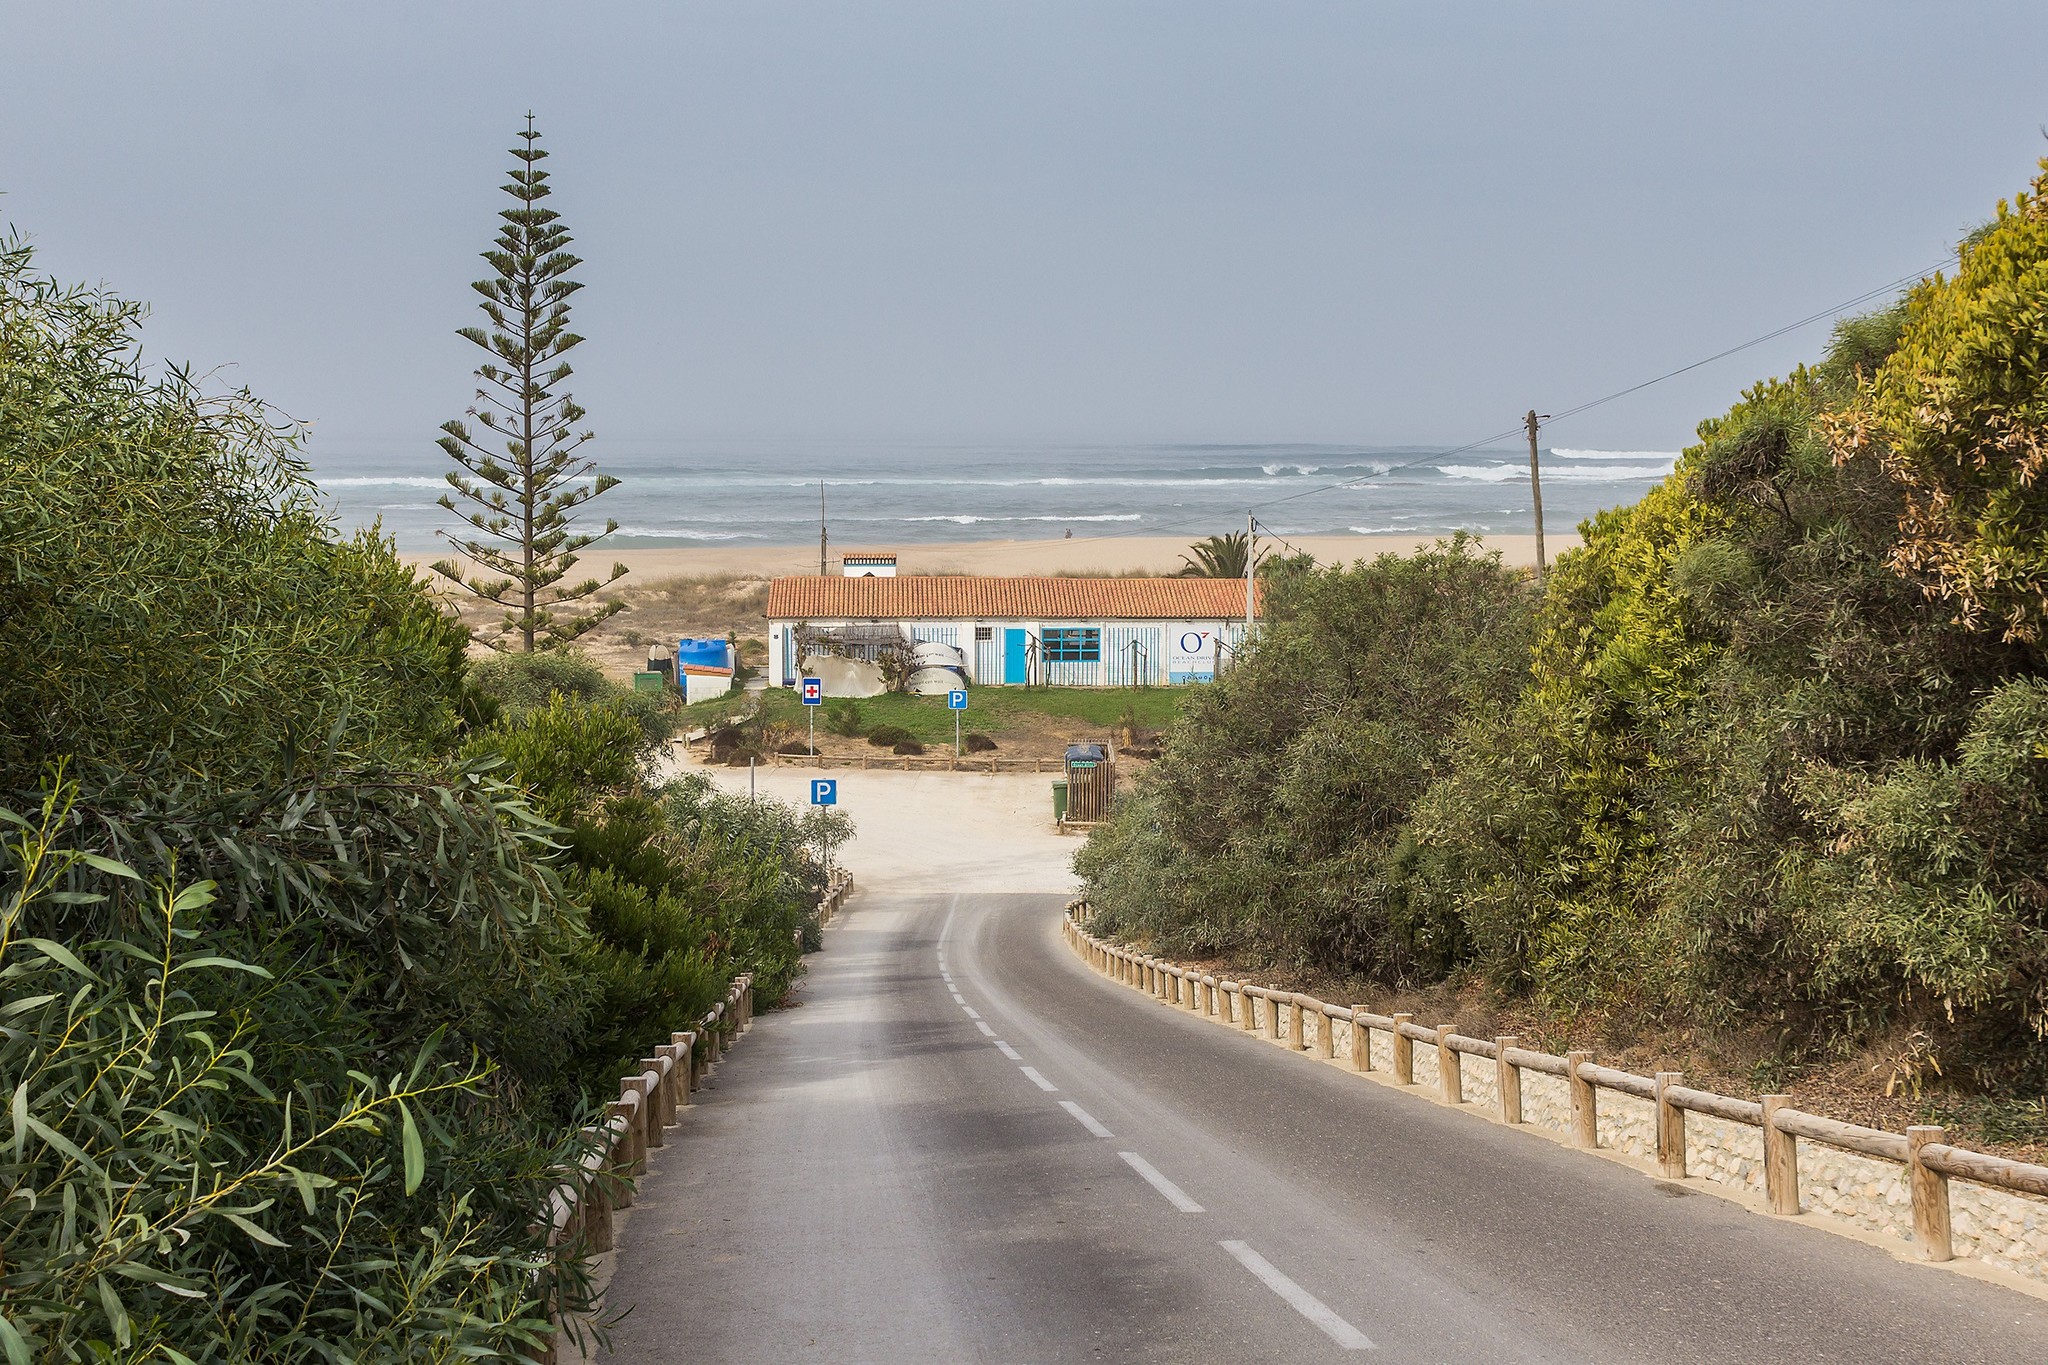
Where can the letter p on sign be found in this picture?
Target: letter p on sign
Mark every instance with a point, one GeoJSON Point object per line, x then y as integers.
{"type": "Point", "coordinates": [824, 791]}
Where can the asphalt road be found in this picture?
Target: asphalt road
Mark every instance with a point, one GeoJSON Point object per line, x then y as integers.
{"type": "Point", "coordinates": [1053, 1168]}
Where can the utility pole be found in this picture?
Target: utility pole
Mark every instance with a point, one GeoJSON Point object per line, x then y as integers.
{"type": "Point", "coordinates": [1251, 559]}
{"type": "Point", "coordinates": [1536, 492]}
{"type": "Point", "coordinates": [821, 528]}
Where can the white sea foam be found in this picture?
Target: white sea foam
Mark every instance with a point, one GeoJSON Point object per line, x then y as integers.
{"type": "Point", "coordinates": [678, 533]}
{"type": "Point", "coordinates": [965, 520]}
{"type": "Point", "coordinates": [1105, 516]}
{"type": "Point", "coordinates": [395, 481]}
{"type": "Point", "coordinates": [1508, 473]}
{"type": "Point", "coordinates": [1667, 456]}
{"type": "Point", "coordinates": [1277, 469]}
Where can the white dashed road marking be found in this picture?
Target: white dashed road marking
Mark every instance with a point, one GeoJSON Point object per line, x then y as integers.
{"type": "Point", "coordinates": [1041, 1082]}
{"type": "Point", "coordinates": [1299, 1299]}
{"type": "Point", "coordinates": [1009, 1051]}
{"type": "Point", "coordinates": [970, 1012]}
{"type": "Point", "coordinates": [1088, 1120]}
{"type": "Point", "coordinates": [1175, 1195]}
{"type": "Point", "coordinates": [986, 1031]}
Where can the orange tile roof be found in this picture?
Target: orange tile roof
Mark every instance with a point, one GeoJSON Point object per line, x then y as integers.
{"type": "Point", "coordinates": [919, 596]}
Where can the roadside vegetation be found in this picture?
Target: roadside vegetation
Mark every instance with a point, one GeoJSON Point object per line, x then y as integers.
{"type": "Point", "coordinates": [1766, 759]}
{"type": "Point", "coordinates": [317, 943]}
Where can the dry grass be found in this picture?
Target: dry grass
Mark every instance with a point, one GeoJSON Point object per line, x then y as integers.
{"type": "Point", "coordinates": [658, 612]}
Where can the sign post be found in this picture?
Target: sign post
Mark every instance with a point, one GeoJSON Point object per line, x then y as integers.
{"type": "Point", "coordinates": [956, 701]}
{"type": "Point", "coordinates": [825, 792]}
{"type": "Point", "coordinates": [814, 696]}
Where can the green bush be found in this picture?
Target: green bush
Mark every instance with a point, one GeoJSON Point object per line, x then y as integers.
{"type": "Point", "coordinates": [512, 686]}
{"type": "Point", "coordinates": [173, 601]}
{"type": "Point", "coordinates": [843, 718]}
{"type": "Point", "coordinates": [340, 1084]}
{"type": "Point", "coordinates": [889, 736]}
{"type": "Point", "coordinates": [1271, 826]}
{"type": "Point", "coordinates": [684, 888]}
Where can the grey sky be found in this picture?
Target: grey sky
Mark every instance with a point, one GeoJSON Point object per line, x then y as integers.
{"type": "Point", "coordinates": [1266, 221]}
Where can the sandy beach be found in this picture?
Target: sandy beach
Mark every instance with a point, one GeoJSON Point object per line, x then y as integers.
{"type": "Point", "coordinates": [1081, 555]}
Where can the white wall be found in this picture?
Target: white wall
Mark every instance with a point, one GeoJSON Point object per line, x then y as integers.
{"type": "Point", "coordinates": [1156, 640]}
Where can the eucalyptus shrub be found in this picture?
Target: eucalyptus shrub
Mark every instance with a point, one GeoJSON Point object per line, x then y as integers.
{"type": "Point", "coordinates": [184, 1180]}
{"type": "Point", "coordinates": [171, 598]}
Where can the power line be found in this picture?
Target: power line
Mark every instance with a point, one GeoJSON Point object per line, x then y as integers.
{"type": "Point", "coordinates": [1807, 321]}
{"type": "Point", "coordinates": [1836, 310]}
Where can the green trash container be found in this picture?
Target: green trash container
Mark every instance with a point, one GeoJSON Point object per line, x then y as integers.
{"type": "Point", "coordinates": [1059, 799]}
{"type": "Point", "coordinates": [649, 682]}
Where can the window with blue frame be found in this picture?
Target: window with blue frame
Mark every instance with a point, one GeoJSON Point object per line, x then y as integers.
{"type": "Point", "coordinates": [1073, 645]}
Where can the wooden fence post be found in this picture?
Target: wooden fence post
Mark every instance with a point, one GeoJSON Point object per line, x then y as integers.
{"type": "Point", "coordinates": [1404, 1052]}
{"type": "Point", "coordinates": [1450, 1074]}
{"type": "Point", "coordinates": [1930, 1196]}
{"type": "Point", "coordinates": [627, 1154]}
{"type": "Point", "coordinates": [1781, 1159]}
{"type": "Point", "coordinates": [1297, 1026]}
{"type": "Point", "coordinates": [1273, 1013]}
{"type": "Point", "coordinates": [1507, 1079]}
{"type": "Point", "coordinates": [1361, 1039]}
{"type": "Point", "coordinates": [1670, 1128]}
{"type": "Point", "coordinates": [650, 1072]}
{"type": "Point", "coordinates": [1326, 1035]}
{"type": "Point", "coordinates": [595, 1202]}
{"type": "Point", "coordinates": [1585, 1104]}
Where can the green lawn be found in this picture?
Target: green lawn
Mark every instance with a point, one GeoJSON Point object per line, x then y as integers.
{"type": "Point", "coordinates": [992, 711]}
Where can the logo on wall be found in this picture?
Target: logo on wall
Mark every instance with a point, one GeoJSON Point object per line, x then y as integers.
{"type": "Point", "coordinates": [1191, 656]}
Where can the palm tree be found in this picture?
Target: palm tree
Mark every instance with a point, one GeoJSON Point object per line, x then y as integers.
{"type": "Point", "coordinates": [1217, 556]}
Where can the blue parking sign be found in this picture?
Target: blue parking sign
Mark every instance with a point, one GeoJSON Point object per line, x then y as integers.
{"type": "Point", "coordinates": [814, 691]}
{"type": "Point", "coordinates": [824, 791]}
{"type": "Point", "coordinates": [957, 699]}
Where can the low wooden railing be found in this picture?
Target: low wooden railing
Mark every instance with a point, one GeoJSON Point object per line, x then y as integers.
{"type": "Point", "coordinates": [650, 1100]}
{"type": "Point", "coordinates": [1930, 1161]}
{"type": "Point", "coordinates": [941, 763]}
{"type": "Point", "coordinates": [838, 883]}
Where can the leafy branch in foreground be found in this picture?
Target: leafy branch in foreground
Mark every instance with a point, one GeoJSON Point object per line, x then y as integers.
{"type": "Point", "coordinates": [159, 1198]}
{"type": "Point", "coordinates": [517, 500]}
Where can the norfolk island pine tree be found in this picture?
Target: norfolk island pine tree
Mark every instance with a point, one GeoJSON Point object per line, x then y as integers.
{"type": "Point", "coordinates": [518, 501]}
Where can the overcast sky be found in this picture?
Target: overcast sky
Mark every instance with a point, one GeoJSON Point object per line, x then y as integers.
{"type": "Point", "coordinates": [1273, 221]}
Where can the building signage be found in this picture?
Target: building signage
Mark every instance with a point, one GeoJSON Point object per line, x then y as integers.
{"type": "Point", "coordinates": [1190, 654]}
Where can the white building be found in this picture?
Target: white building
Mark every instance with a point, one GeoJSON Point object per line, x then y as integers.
{"type": "Point", "coordinates": [1070, 632]}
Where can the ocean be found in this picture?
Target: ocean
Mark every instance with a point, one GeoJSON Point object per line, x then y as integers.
{"type": "Point", "coordinates": [702, 493]}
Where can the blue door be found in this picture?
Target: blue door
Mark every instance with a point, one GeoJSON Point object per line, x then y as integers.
{"type": "Point", "coordinates": [1015, 661]}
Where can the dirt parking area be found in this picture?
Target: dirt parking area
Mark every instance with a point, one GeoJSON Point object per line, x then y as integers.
{"type": "Point", "coordinates": [936, 831]}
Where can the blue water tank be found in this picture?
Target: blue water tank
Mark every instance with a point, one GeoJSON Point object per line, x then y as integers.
{"type": "Point", "coordinates": [704, 653]}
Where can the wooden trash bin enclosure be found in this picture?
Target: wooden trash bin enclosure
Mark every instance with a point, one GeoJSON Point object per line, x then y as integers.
{"type": "Point", "coordinates": [1091, 782]}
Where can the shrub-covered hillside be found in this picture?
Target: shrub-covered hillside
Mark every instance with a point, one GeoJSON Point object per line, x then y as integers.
{"type": "Point", "coordinates": [315, 946]}
{"type": "Point", "coordinates": [1772, 751]}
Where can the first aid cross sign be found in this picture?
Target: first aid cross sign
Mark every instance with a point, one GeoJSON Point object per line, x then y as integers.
{"type": "Point", "coordinates": [814, 691]}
